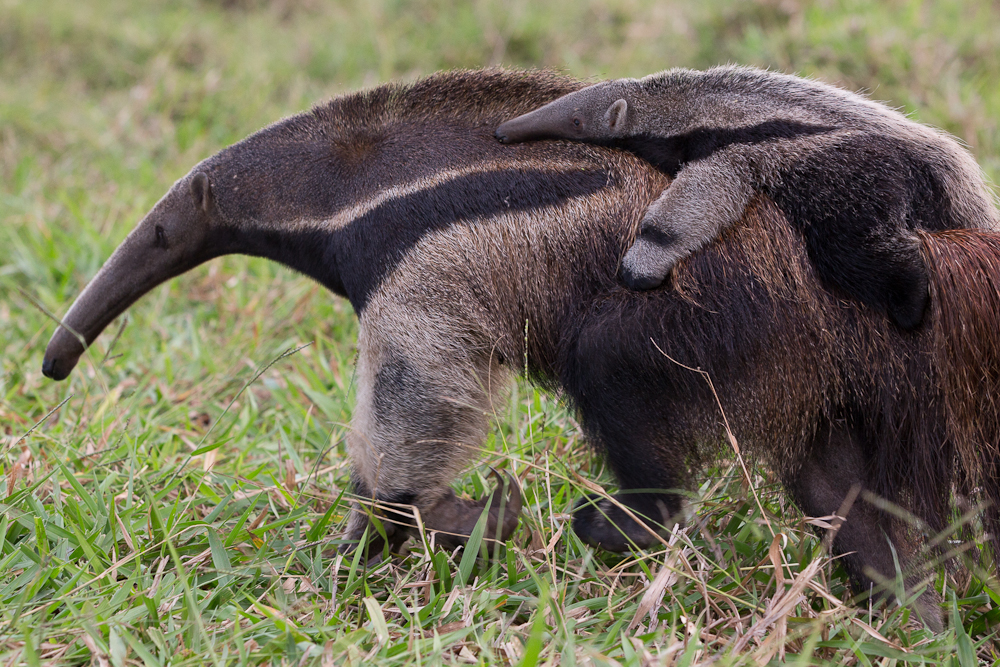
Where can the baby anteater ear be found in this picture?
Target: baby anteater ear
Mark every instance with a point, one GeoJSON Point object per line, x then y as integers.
{"type": "Point", "coordinates": [201, 191]}
{"type": "Point", "coordinates": [616, 114]}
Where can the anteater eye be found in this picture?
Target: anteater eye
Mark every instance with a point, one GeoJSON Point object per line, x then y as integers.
{"type": "Point", "coordinates": [576, 121]}
{"type": "Point", "coordinates": [161, 238]}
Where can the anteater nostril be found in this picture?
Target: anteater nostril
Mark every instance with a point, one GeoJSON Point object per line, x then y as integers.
{"type": "Point", "coordinates": [52, 369]}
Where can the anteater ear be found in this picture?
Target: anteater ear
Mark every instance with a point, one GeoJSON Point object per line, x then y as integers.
{"type": "Point", "coordinates": [615, 115]}
{"type": "Point", "coordinates": [201, 191]}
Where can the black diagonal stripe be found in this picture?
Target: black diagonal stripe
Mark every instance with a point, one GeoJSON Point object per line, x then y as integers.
{"type": "Point", "coordinates": [372, 245]}
{"type": "Point", "coordinates": [670, 153]}
{"type": "Point", "coordinates": [353, 260]}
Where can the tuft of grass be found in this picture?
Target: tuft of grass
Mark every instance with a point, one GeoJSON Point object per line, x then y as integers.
{"type": "Point", "coordinates": [180, 499]}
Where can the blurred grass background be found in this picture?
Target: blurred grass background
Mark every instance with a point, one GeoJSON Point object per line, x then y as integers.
{"type": "Point", "coordinates": [103, 104]}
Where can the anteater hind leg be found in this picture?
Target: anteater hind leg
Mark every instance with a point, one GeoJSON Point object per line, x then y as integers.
{"type": "Point", "coordinates": [835, 472]}
{"type": "Point", "coordinates": [600, 522]}
{"type": "Point", "coordinates": [647, 478]}
{"type": "Point", "coordinates": [857, 201]}
{"type": "Point", "coordinates": [421, 417]}
{"type": "Point", "coordinates": [627, 412]}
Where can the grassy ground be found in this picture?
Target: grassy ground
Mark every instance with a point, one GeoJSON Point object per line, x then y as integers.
{"type": "Point", "coordinates": [178, 500]}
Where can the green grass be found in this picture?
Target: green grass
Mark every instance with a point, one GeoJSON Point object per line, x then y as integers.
{"type": "Point", "coordinates": [179, 499]}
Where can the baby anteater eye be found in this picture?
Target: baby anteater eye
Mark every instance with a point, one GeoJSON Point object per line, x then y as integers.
{"type": "Point", "coordinates": [161, 238]}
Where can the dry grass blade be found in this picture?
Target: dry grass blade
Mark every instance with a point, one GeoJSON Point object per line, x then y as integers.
{"type": "Point", "coordinates": [877, 635]}
{"type": "Point", "coordinates": [20, 470]}
{"type": "Point", "coordinates": [666, 576]}
{"type": "Point", "coordinates": [781, 623]}
{"type": "Point", "coordinates": [780, 607]}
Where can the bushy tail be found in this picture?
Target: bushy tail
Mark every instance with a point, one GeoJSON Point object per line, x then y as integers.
{"type": "Point", "coordinates": [964, 268]}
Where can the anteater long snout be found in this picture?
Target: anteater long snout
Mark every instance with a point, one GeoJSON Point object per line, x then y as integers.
{"type": "Point", "coordinates": [548, 122]}
{"type": "Point", "coordinates": [128, 274]}
{"type": "Point", "coordinates": [171, 239]}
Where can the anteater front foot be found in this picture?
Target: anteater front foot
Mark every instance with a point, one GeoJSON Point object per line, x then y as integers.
{"type": "Point", "coordinates": [451, 519]}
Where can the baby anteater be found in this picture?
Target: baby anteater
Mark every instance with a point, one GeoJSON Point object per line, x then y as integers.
{"type": "Point", "coordinates": [854, 176]}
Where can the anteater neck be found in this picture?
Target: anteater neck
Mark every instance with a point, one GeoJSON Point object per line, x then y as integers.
{"type": "Point", "coordinates": [312, 252]}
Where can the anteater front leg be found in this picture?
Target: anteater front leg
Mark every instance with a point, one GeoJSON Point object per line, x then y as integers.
{"type": "Point", "coordinates": [421, 418]}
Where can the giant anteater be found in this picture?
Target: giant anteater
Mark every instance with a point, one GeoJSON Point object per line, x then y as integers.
{"type": "Point", "coordinates": [447, 243]}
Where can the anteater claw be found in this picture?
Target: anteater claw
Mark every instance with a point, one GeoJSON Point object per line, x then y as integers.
{"type": "Point", "coordinates": [513, 507]}
{"type": "Point", "coordinates": [454, 518]}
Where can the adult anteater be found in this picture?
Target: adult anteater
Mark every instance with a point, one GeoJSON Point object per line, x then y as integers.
{"type": "Point", "coordinates": [464, 257]}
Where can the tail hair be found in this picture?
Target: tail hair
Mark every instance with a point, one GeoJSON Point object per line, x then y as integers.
{"type": "Point", "coordinates": [964, 270]}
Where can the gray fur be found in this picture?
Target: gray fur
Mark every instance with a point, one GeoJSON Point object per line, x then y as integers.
{"type": "Point", "coordinates": [430, 349]}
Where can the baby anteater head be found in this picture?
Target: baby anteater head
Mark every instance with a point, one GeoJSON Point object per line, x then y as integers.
{"type": "Point", "coordinates": [597, 112]}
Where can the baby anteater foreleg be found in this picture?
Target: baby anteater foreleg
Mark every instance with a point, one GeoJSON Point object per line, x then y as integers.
{"type": "Point", "coordinates": [705, 198]}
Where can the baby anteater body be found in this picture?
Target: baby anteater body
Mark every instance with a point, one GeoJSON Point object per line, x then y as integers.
{"type": "Point", "coordinates": [855, 177]}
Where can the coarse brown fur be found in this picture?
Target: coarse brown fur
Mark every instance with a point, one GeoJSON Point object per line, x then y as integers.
{"type": "Point", "coordinates": [451, 247]}
{"type": "Point", "coordinates": [965, 293]}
